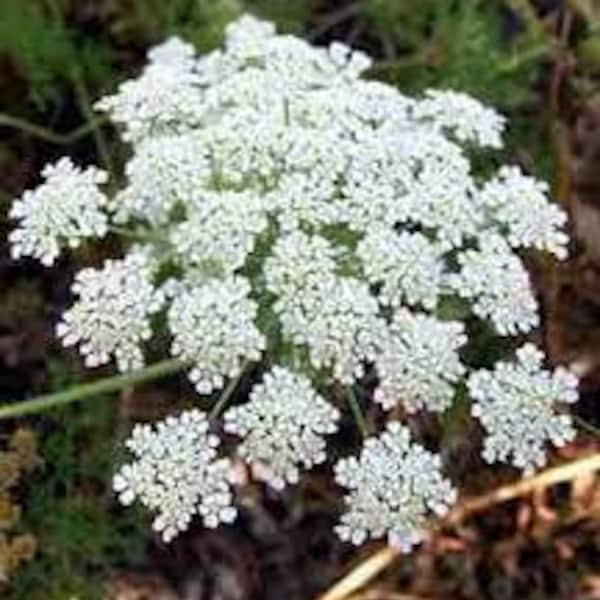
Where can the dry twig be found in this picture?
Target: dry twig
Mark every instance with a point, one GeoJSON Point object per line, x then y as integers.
{"type": "Point", "coordinates": [367, 570]}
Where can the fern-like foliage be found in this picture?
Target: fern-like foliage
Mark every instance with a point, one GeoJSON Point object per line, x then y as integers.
{"type": "Point", "coordinates": [45, 51]}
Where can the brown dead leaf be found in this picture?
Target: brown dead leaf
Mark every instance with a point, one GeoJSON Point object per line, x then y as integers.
{"type": "Point", "coordinates": [524, 516]}
{"type": "Point", "coordinates": [565, 550]}
{"type": "Point", "coordinates": [590, 585]}
{"type": "Point", "coordinates": [545, 515]}
{"type": "Point", "coordinates": [9, 512]}
{"type": "Point", "coordinates": [584, 493]}
{"type": "Point", "coordinates": [445, 544]}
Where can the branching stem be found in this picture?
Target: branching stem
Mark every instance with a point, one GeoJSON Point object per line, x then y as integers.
{"type": "Point", "coordinates": [60, 139]}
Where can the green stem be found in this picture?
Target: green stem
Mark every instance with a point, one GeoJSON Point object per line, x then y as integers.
{"type": "Point", "coordinates": [587, 426]}
{"type": "Point", "coordinates": [127, 233]}
{"type": "Point", "coordinates": [224, 398]}
{"type": "Point", "coordinates": [85, 105]}
{"type": "Point", "coordinates": [357, 413]}
{"type": "Point", "coordinates": [147, 235]}
{"type": "Point", "coordinates": [60, 139]}
{"type": "Point", "coordinates": [89, 390]}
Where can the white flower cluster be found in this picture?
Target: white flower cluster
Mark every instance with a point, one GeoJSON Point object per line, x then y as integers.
{"type": "Point", "coordinates": [494, 278]}
{"type": "Point", "coordinates": [419, 365]}
{"type": "Point", "coordinates": [334, 316]}
{"type": "Point", "coordinates": [463, 116]}
{"type": "Point", "coordinates": [220, 229]}
{"type": "Point", "coordinates": [177, 474]}
{"type": "Point", "coordinates": [515, 404]}
{"type": "Point", "coordinates": [291, 208]}
{"type": "Point", "coordinates": [111, 317]}
{"type": "Point", "coordinates": [518, 204]}
{"type": "Point", "coordinates": [163, 173]}
{"type": "Point", "coordinates": [63, 211]}
{"type": "Point", "coordinates": [393, 487]}
{"type": "Point", "coordinates": [213, 327]}
{"type": "Point", "coordinates": [165, 99]}
{"type": "Point", "coordinates": [338, 322]}
{"type": "Point", "coordinates": [408, 266]}
{"type": "Point", "coordinates": [282, 427]}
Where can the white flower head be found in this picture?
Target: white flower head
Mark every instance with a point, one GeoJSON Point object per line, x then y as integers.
{"type": "Point", "coordinates": [164, 172]}
{"type": "Point", "coordinates": [248, 28]}
{"type": "Point", "coordinates": [173, 52]}
{"type": "Point", "coordinates": [111, 317]}
{"type": "Point", "coordinates": [352, 62]}
{"type": "Point", "coordinates": [213, 326]}
{"type": "Point", "coordinates": [439, 187]}
{"type": "Point", "coordinates": [296, 262]}
{"type": "Point", "coordinates": [419, 365]}
{"type": "Point", "coordinates": [63, 211]}
{"type": "Point", "coordinates": [274, 187]}
{"type": "Point", "coordinates": [463, 116]}
{"type": "Point", "coordinates": [496, 281]}
{"type": "Point", "coordinates": [407, 265]}
{"type": "Point", "coordinates": [519, 204]}
{"type": "Point", "coordinates": [515, 404]}
{"type": "Point", "coordinates": [166, 98]}
{"type": "Point", "coordinates": [177, 474]}
{"type": "Point", "coordinates": [337, 319]}
{"type": "Point", "coordinates": [393, 486]}
{"type": "Point", "coordinates": [220, 228]}
{"type": "Point", "coordinates": [282, 426]}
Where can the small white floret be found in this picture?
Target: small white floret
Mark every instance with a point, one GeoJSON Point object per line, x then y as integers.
{"type": "Point", "coordinates": [419, 365]}
{"type": "Point", "coordinates": [519, 205]}
{"type": "Point", "coordinates": [494, 279]}
{"type": "Point", "coordinates": [463, 116]}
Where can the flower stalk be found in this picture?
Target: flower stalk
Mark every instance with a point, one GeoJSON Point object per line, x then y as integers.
{"type": "Point", "coordinates": [225, 396]}
{"type": "Point", "coordinates": [357, 414]}
{"type": "Point", "coordinates": [90, 390]}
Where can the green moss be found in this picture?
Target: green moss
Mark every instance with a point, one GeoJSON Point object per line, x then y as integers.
{"type": "Point", "coordinates": [69, 506]}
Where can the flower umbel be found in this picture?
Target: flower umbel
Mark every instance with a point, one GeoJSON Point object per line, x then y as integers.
{"type": "Point", "coordinates": [111, 318]}
{"type": "Point", "coordinates": [282, 427]}
{"type": "Point", "coordinates": [515, 404]}
{"type": "Point", "coordinates": [177, 474]}
{"type": "Point", "coordinates": [419, 365]}
{"type": "Point", "coordinates": [518, 204]}
{"type": "Point", "coordinates": [394, 485]}
{"type": "Point", "coordinates": [279, 208]}
{"type": "Point", "coordinates": [213, 326]}
{"type": "Point", "coordinates": [496, 281]}
{"type": "Point", "coordinates": [63, 211]}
